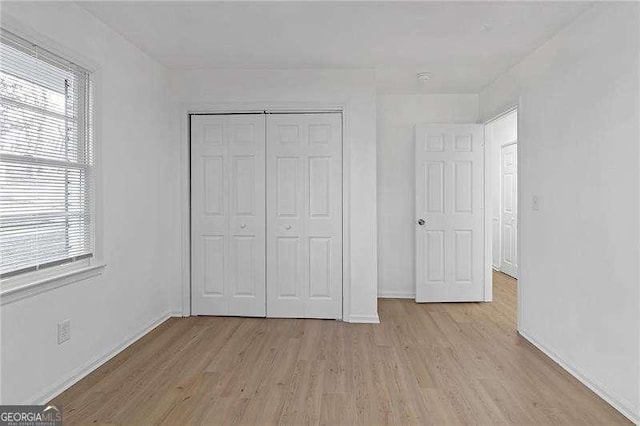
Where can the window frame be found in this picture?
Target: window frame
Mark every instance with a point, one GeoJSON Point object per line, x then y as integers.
{"type": "Point", "coordinates": [19, 286]}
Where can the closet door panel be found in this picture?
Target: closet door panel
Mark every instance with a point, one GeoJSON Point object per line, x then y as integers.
{"type": "Point", "coordinates": [246, 138]}
{"type": "Point", "coordinates": [285, 219]}
{"type": "Point", "coordinates": [227, 215]}
{"type": "Point", "coordinates": [323, 216]}
{"type": "Point", "coordinates": [304, 215]}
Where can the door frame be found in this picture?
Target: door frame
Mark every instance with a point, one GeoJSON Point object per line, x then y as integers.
{"type": "Point", "coordinates": [184, 113]}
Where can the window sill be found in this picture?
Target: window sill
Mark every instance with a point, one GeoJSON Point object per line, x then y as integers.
{"type": "Point", "coordinates": [49, 282]}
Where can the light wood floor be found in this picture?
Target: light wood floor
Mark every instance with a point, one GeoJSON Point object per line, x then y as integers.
{"type": "Point", "coordinates": [460, 363]}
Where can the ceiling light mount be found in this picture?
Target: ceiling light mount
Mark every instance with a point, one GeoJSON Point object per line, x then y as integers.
{"type": "Point", "coordinates": [424, 76]}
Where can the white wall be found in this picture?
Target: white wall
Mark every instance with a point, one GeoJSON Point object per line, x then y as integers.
{"type": "Point", "coordinates": [498, 133]}
{"type": "Point", "coordinates": [204, 90]}
{"type": "Point", "coordinates": [140, 217]}
{"type": "Point", "coordinates": [397, 117]}
{"type": "Point", "coordinates": [580, 154]}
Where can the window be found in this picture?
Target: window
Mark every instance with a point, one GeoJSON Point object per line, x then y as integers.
{"type": "Point", "coordinates": [46, 159]}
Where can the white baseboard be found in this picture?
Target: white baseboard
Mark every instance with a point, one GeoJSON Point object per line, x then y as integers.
{"type": "Point", "coordinates": [396, 294]}
{"type": "Point", "coordinates": [82, 371]}
{"type": "Point", "coordinates": [364, 319]}
{"type": "Point", "coordinates": [620, 404]}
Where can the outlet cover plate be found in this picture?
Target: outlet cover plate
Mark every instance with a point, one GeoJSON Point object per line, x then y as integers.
{"type": "Point", "coordinates": [64, 331]}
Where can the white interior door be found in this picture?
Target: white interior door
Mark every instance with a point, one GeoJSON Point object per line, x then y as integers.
{"type": "Point", "coordinates": [304, 215]}
{"type": "Point", "coordinates": [508, 209]}
{"type": "Point", "coordinates": [449, 176]}
{"type": "Point", "coordinates": [227, 215]}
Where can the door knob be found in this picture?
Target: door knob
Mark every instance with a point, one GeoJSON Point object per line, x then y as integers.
{"type": "Point", "coordinates": [244, 225]}
{"type": "Point", "coordinates": [421, 222]}
{"type": "Point", "coordinates": [287, 227]}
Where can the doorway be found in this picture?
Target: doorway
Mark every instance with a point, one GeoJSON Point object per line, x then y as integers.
{"type": "Point", "coordinates": [502, 140]}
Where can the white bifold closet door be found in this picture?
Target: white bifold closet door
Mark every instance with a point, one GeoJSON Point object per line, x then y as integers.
{"type": "Point", "coordinates": [228, 215]}
{"type": "Point", "coordinates": [304, 215]}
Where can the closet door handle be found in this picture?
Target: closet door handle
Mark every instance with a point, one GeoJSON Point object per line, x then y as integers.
{"type": "Point", "coordinates": [244, 225]}
{"type": "Point", "coordinates": [287, 227]}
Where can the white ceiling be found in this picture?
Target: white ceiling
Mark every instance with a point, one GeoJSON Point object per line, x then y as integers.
{"type": "Point", "coordinates": [465, 45]}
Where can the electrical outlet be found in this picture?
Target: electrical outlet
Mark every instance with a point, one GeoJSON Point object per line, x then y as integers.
{"type": "Point", "coordinates": [64, 331]}
{"type": "Point", "coordinates": [535, 203]}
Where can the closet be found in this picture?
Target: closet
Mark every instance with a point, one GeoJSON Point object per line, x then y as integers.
{"type": "Point", "coordinates": [266, 214]}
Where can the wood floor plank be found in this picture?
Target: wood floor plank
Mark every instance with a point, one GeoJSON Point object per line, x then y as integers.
{"type": "Point", "coordinates": [458, 363]}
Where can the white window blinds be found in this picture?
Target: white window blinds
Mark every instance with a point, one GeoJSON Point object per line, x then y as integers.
{"type": "Point", "coordinates": [46, 159]}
